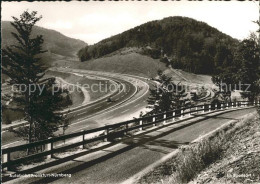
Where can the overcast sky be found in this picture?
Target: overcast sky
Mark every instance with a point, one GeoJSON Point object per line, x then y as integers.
{"type": "Point", "coordinates": [93, 21]}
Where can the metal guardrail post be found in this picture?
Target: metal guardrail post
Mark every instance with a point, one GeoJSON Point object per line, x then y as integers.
{"type": "Point", "coordinates": [196, 110]}
{"type": "Point", "coordinates": [6, 158]}
{"type": "Point", "coordinates": [141, 124]}
{"type": "Point", "coordinates": [164, 118]}
{"type": "Point", "coordinates": [106, 133]}
{"type": "Point", "coordinates": [216, 107]}
{"type": "Point", "coordinates": [49, 144]}
{"type": "Point", "coordinates": [204, 109]}
{"type": "Point", "coordinates": [227, 106]}
{"type": "Point", "coordinates": [126, 128]}
{"type": "Point", "coordinates": [83, 139]}
{"type": "Point", "coordinates": [210, 108]}
{"type": "Point", "coordinates": [173, 115]}
{"type": "Point", "coordinates": [221, 106]}
{"type": "Point", "coordinates": [182, 115]}
{"type": "Point", "coordinates": [49, 147]}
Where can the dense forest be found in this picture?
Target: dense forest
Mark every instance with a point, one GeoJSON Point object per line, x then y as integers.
{"type": "Point", "coordinates": [180, 41]}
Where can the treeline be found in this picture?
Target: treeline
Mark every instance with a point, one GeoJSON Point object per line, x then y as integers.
{"type": "Point", "coordinates": [189, 44]}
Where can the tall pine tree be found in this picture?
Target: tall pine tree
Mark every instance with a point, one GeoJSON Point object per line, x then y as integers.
{"type": "Point", "coordinates": [33, 92]}
{"type": "Point", "coordinates": [166, 95]}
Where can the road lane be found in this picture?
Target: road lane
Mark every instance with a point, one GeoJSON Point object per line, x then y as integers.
{"type": "Point", "coordinates": [117, 163]}
{"type": "Point", "coordinates": [83, 116]}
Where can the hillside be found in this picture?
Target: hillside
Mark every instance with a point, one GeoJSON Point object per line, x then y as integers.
{"type": "Point", "coordinates": [126, 61]}
{"type": "Point", "coordinates": [229, 154]}
{"type": "Point", "coordinates": [58, 45]}
{"type": "Point", "coordinates": [55, 42]}
{"type": "Point", "coordinates": [131, 61]}
{"type": "Point", "coordinates": [188, 44]}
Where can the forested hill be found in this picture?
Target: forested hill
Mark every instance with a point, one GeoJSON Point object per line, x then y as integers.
{"type": "Point", "coordinates": [54, 42]}
{"type": "Point", "coordinates": [189, 44]}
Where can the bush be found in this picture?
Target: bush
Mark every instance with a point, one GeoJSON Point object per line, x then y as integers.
{"type": "Point", "coordinates": [196, 158]}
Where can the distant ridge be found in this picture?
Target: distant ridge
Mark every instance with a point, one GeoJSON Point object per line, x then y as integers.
{"type": "Point", "coordinates": [54, 41]}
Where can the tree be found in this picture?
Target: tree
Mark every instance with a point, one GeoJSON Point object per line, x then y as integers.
{"type": "Point", "coordinates": [34, 93]}
{"type": "Point", "coordinates": [166, 95]}
{"type": "Point", "coordinates": [244, 71]}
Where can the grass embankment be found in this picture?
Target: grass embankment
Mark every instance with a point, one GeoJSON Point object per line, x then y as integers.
{"type": "Point", "coordinates": [180, 75]}
{"type": "Point", "coordinates": [74, 79]}
{"type": "Point", "coordinates": [126, 61]}
{"type": "Point", "coordinates": [131, 61]}
{"type": "Point", "coordinates": [222, 157]}
{"type": "Point", "coordinates": [77, 96]}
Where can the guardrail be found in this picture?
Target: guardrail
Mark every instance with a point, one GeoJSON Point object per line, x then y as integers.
{"type": "Point", "coordinates": [108, 132]}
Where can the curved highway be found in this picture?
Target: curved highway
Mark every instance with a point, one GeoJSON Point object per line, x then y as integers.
{"type": "Point", "coordinates": [128, 100]}
{"type": "Point", "coordinates": [117, 162]}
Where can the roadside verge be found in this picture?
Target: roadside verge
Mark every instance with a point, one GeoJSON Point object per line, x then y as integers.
{"type": "Point", "coordinates": [181, 165]}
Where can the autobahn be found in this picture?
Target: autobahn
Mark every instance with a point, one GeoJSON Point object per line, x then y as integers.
{"type": "Point", "coordinates": [124, 103]}
{"type": "Point", "coordinates": [119, 161]}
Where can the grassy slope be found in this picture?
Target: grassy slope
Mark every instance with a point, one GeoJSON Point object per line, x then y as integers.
{"type": "Point", "coordinates": [126, 63]}
{"type": "Point", "coordinates": [54, 41]}
{"type": "Point", "coordinates": [81, 80]}
{"type": "Point", "coordinates": [58, 45]}
{"type": "Point", "coordinates": [189, 77]}
{"type": "Point", "coordinates": [130, 61]}
{"type": "Point", "coordinates": [77, 96]}
{"type": "Point", "coordinates": [241, 159]}
{"type": "Point", "coordinates": [231, 151]}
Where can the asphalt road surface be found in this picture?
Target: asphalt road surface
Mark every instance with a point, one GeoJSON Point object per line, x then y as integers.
{"type": "Point", "coordinates": [116, 162]}
{"type": "Point", "coordinates": [124, 102]}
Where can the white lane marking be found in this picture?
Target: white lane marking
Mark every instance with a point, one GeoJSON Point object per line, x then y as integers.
{"type": "Point", "coordinates": [81, 120]}
{"type": "Point", "coordinates": [124, 111]}
{"type": "Point", "coordinates": [110, 117]}
{"type": "Point", "coordinates": [136, 105]}
{"type": "Point", "coordinates": [6, 145]}
{"type": "Point", "coordinates": [81, 113]}
{"type": "Point", "coordinates": [114, 108]}
{"type": "Point", "coordinates": [101, 99]}
{"type": "Point", "coordinates": [80, 129]}
{"type": "Point", "coordinates": [98, 107]}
